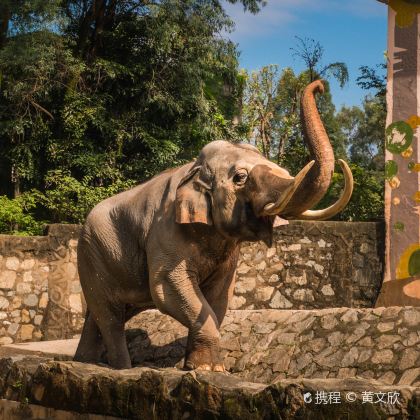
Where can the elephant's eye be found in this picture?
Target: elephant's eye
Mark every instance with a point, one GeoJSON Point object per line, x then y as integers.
{"type": "Point", "coordinates": [240, 178]}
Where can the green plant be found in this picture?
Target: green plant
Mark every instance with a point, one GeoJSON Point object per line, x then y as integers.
{"type": "Point", "coordinates": [15, 216]}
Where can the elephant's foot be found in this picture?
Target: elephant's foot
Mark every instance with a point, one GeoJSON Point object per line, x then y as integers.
{"type": "Point", "coordinates": [206, 367]}
{"type": "Point", "coordinates": [204, 359]}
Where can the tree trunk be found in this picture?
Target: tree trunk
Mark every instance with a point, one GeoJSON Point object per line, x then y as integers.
{"type": "Point", "coordinates": [4, 25]}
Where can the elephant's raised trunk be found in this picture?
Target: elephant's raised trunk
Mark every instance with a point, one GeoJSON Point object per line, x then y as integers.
{"type": "Point", "coordinates": [309, 189]}
{"type": "Point", "coordinates": [316, 184]}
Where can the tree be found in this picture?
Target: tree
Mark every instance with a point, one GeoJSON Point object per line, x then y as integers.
{"type": "Point", "coordinates": [312, 52]}
{"type": "Point", "coordinates": [108, 91]}
{"type": "Point", "coordinates": [261, 97]}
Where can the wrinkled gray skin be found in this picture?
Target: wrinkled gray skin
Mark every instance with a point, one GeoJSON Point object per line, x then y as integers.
{"type": "Point", "coordinates": [172, 243]}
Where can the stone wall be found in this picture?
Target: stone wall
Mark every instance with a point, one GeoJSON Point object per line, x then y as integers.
{"type": "Point", "coordinates": [269, 345]}
{"type": "Point", "coordinates": [40, 294]}
{"type": "Point", "coordinates": [312, 265]}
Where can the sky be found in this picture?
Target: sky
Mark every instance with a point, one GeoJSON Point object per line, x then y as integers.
{"type": "Point", "coordinates": [351, 31]}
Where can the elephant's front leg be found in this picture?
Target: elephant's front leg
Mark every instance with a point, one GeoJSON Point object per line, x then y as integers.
{"type": "Point", "coordinates": [177, 294]}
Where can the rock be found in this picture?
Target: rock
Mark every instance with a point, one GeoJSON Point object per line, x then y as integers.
{"type": "Point", "coordinates": [12, 263]}
{"type": "Point", "coordinates": [286, 338]}
{"type": "Point", "coordinates": [316, 345]}
{"type": "Point", "coordinates": [346, 373]}
{"type": "Point", "coordinates": [383, 357]}
{"type": "Point", "coordinates": [328, 322]}
{"type": "Point", "coordinates": [26, 332]}
{"type": "Point", "coordinates": [293, 247]}
{"type": "Point", "coordinates": [24, 288]}
{"type": "Point", "coordinates": [349, 316]}
{"type": "Point", "coordinates": [27, 264]}
{"type": "Point", "coordinates": [385, 341]}
{"type": "Point", "coordinates": [261, 266]}
{"type": "Point", "coordinates": [5, 340]}
{"type": "Point", "coordinates": [43, 301]}
{"type": "Point", "coordinates": [236, 302]}
{"type": "Point", "coordinates": [31, 300]}
{"type": "Point", "coordinates": [264, 293]}
{"type": "Point", "coordinates": [280, 302]}
{"type": "Point", "coordinates": [16, 302]}
{"type": "Point", "coordinates": [409, 376]}
{"type": "Point", "coordinates": [364, 355]}
{"type": "Point", "coordinates": [38, 319]}
{"type": "Point", "coordinates": [243, 269]}
{"type": "Point", "coordinates": [25, 316]}
{"type": "Point", "coordinates": [350, 357]}
{"type": "Point", "coordinates": [274, 278]}
{"type": "Point", "coordinates": [327, 290]}
{"type": "Point", "coordinates": [3, 315]}
{"type": "Point", "coordinates": [412, 317]}
{"type": "Point", "coordinates": [391, 312]}
{"type": "Point", "coordinates": [319, 268]}
{"type": "Point", "coordinates": [409, 358]}
{"type": "Point", "coordinates": [335, 338]}
{"type": "Point", "coordinates": [322, 243]}
{"type": "Point", "coordinates": [7, 279]}
{"type": "Point", "coordinates": [4, 303]}
{"type": "Point", "coordinates": [385, 326]}
{"type": "Point", "coordinates": [263, 328]}
{"type": "Point", "coordinates": [387, 378]}
{"type": "Point", "coordinates": [304, 295]}
{"type": "Point", "coordinates": [13, 329]}
{"type": "Point", "coordinates": [246, 284]}
{"type": "Point", "coordinates": [27, 276]}
{"type": "Point", "coordinates": [299, 280]}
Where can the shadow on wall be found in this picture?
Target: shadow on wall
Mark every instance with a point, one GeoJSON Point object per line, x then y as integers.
{"type": "Point", "coordinates": [144, 353]}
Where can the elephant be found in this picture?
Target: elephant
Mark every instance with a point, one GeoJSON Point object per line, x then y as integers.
{"type": "Point", "coordinates": [172, 243]}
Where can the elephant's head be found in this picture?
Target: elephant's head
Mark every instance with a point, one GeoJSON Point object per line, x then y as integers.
{"type": "Point", "coordinates": [241, 193]}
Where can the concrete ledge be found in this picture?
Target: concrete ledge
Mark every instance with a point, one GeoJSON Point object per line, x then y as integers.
{"type": "Point", "coordinates": [143, 393]}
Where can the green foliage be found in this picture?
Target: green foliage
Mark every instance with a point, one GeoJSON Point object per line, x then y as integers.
{"type": "Point", "coordinates": [68, 199]}
{"type": "Point", "coordinates": [16, 218]}
{"type": "Point", "coordinates": [98, 95]}
{"type": "Point", "coordinates": [367, 201]}
{"type": "Point", "coordinates": [98, 92]}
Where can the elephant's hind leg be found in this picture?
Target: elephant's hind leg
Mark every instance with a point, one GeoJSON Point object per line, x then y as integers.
{"type": "Point", "coordinates": [91, 347]}
{"type": "Point", "coordinates": [111, 324]}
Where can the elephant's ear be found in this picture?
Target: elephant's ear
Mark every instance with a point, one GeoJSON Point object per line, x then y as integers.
{"type": "Point", "coordinates": [192, 200]}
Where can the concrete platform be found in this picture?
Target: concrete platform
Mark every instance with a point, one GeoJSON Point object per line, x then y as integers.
{"type": "Point", "coordinates": [54, 348]}
{"type": "Point", "coordinates": [46, 388]}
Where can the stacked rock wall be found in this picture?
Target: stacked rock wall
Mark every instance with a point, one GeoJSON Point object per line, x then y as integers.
{"type": "Point", "coordinates": [311, 265]}
{"type": "Point", "coordinates": [270, 345]}
{"type": "Point", "coordinates": [40, 294]}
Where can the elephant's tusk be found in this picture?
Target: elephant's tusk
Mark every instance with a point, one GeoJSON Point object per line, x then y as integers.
{"type": "Point", "coordinates": [340, 204]}
{"type": "Point", "coordinates": [273, 209]}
